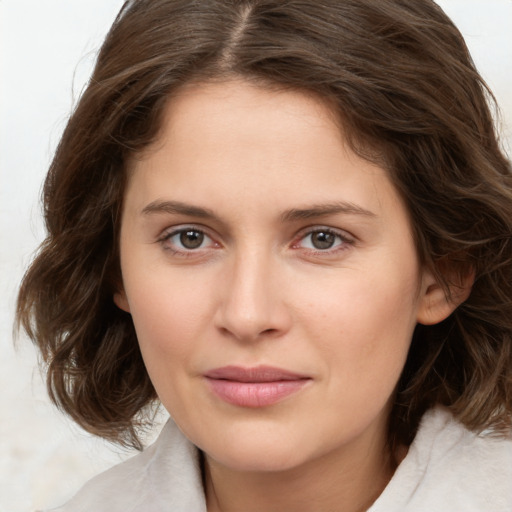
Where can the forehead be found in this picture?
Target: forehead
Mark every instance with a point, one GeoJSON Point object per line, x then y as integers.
{"type": "Point", "coordinates": [219, 112]}
{"type": "Point", "coordinates": [239, 145]}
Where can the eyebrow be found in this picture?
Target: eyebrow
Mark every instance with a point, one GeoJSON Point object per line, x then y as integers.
{"type": "Point", "coordinates": [294, 214]}
{"type": "Point", "coordinates": [177, 207]}
{"type": "Point", "coordinates": [320, 210]}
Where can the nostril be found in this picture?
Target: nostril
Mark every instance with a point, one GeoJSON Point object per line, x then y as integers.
{"type": "Point", "coordinates": [225, 331]}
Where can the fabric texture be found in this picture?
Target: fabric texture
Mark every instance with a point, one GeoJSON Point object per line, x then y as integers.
{"type": "Point", "coordinates": [447, 469]}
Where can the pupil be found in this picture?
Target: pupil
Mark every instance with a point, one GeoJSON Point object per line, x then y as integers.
{"type": "Point", "coordinates": [322, 240]}
{"type": "Point", "coordinates": [191, 239]}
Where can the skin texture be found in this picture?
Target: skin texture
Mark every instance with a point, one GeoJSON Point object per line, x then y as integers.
{"type": "Point", "coordinates": [266, 172]}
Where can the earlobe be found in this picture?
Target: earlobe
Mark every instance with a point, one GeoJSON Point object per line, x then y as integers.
{"type": "Point", "coordinates": [121, 301]}
{"type": "Point", "coordinates": [435, 304]}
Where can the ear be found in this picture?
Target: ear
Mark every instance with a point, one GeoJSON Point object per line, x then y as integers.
{"type": "Point", "coordinates": [435, 304]}
{"type": "Point", "coordinates": [121, 300]}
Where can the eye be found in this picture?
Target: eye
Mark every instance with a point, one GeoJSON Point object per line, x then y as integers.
{"type": "Point", "coordinates": [323, 240]}
{"type": "Point", "coordinates": [190, 238]}
{"type": "Point", "coordinates": [186, 239]}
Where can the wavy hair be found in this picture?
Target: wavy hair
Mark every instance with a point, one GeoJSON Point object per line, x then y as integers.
{"type": "Point", "coordinates": [400, 77]}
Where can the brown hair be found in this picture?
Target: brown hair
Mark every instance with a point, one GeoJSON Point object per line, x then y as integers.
{"type": "Point", "coordinates": [400, 77]}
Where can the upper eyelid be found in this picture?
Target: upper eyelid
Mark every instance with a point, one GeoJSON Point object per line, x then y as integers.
{"type": "Point", "coordinates": [343, 233]}
{"type": "Point", "coordinates": [299, 235]}
{"type": "Point", "coordinates": [347, 241]}
{"type": "Point", "coordinates": [173, 230]}
{"type": "Point", "coordinates": [165, 236]}
{"type": "Point", "coordinates": [164, 240]}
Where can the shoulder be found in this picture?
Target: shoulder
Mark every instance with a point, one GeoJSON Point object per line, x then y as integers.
{"type": "Point", "coordinates": [165, 476]}
{"type": "Point", "coordinates": [451, 468]}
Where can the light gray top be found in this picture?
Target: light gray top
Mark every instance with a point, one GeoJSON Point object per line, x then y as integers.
{"type": "Point", "coordinates": [447, 469]}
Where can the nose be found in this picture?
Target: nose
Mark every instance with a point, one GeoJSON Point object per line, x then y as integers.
{"type": "Point", "coordinates": [252, 304]}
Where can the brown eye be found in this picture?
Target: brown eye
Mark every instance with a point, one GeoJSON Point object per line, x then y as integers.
{"type": "Point", "coordinates": [322, 239]}
{"type": "Point", "coordinates": [191, 238]}
{"type": "Point", "coordinates": [187, 241]}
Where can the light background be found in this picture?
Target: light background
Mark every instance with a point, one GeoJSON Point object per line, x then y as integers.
{"type": "Point", "coordinates": [47, 48]}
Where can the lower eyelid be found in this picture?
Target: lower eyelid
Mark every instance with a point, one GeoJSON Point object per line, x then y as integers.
{"type": "Point", "coordinates": [343, 237]}
{"type": "Point", "coordinates": [165, 241]}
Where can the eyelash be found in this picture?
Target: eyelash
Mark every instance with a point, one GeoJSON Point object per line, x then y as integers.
{"type": "Point", "coordinates": [344, 241]}
{"type": "Point", "coordinates": [183, 252]}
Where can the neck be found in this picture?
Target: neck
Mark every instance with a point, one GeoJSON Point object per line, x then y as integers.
{"type": "Point", "coordinates": [350, 479]}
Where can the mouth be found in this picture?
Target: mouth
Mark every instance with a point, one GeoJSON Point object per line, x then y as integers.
{"type": "Point", "coordinates": [255, 387]}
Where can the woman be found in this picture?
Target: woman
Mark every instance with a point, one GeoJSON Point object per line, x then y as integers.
{"type": "Point", "coordinates": [290, 223]}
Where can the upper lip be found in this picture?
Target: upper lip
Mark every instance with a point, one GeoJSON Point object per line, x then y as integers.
{"type": "Point", "coordinates": [253, 374]}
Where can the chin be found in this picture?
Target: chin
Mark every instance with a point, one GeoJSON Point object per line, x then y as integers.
{"type": "Point", "coordinates": [258, 459]}
{"type": "Point", "coordinates": [261, 451]}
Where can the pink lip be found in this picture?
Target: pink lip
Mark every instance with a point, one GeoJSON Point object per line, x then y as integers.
{"type": "Point", "coordinates": [254, 387]}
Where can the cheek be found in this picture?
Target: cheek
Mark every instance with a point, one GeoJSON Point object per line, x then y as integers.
{"type": "Point", "coordinates": [363, 325]}
{"type": "Point", "coordinates": [168, 319]}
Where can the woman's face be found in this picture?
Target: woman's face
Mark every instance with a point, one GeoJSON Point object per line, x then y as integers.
{"type": "Point", "coordinates": [271, 275]}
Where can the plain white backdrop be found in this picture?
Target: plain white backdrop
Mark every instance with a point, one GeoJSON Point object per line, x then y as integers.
{"type": "Point", "coordinates": [47, 49]}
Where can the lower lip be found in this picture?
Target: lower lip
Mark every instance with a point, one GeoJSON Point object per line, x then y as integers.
{"type": "Point", "coordinates": [255, 394]}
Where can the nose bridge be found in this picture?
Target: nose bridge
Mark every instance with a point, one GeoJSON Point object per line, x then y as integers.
{"type": "Point", "coordinates": [251, 303]}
